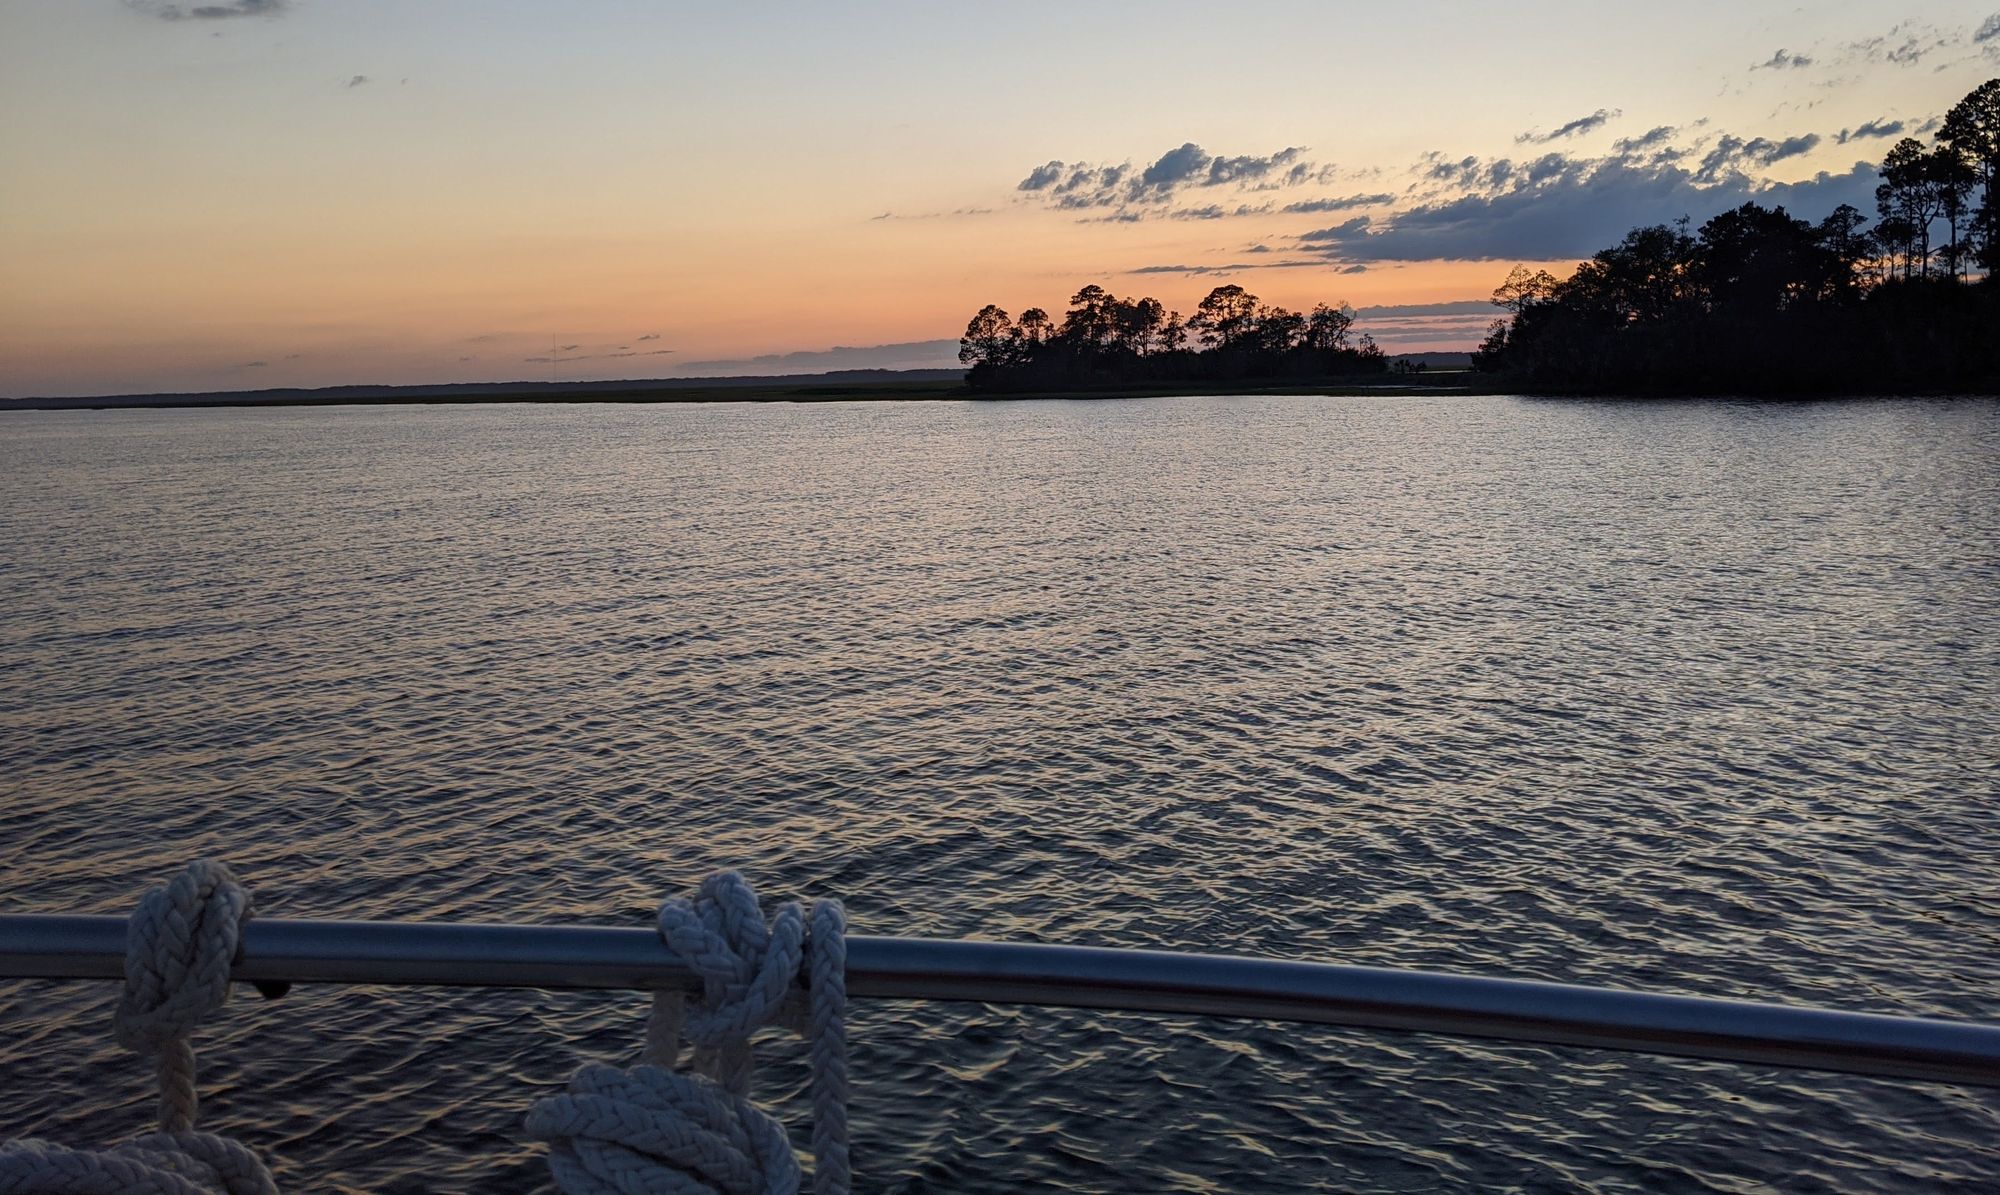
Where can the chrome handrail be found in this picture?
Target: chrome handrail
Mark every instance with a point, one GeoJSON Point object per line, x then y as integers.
{"type": "Point", "coordinates": [541, 956]}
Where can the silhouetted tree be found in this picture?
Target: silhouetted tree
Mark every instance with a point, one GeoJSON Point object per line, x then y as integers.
{"type": "Point", "coordinates": [1523, 288]}
{"type": "Point", "coordinates": [1277, 331]}
{"type": "Point", "coordinates": [1910, 192]}
{"type": "Point", "coordinates": [1092, 322]}
{"type": "Point", "coordinates": [1138, 325]}
{"type": "Point", "coordinates": [1327, 328]}
{"type": "Point", "coordinates": [1952, 177]}
{"type": "Point", "coordinates": [1755, 260]}
{"type": "Point", "coordinates": [1972, 128]}
{"type": "Point", "coordinates": [986, 339]}
{"type": "Point", "coordinates": [1224, 317]}
{"type": "Point", "coordinates": [1844, 235]}
{"type": "Point", "coordinates": [1105, 340]}
{"type": "Point", "coordinates": [1759, 300]}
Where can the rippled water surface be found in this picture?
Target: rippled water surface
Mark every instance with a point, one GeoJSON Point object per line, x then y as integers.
{"type": "Point", "coordinates": [1700, 697]}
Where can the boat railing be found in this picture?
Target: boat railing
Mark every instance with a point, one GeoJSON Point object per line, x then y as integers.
{"type": "Point", "coordinates": [277, 952]}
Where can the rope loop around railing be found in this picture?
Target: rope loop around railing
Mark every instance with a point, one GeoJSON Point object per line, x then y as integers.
{"type": "Point", "coordinates": [180, 945]}
{"type": "Point", "coordinates": [789, 971]}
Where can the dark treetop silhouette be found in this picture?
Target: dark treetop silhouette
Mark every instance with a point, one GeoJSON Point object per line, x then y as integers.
{"type": "Point", "coordinates": [1104, 340]}
{"type": "Point", "coordinates": [1756, 300]}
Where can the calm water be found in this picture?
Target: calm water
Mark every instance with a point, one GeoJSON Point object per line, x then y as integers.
{"type": "Point", "coordinates": [1701, 697]}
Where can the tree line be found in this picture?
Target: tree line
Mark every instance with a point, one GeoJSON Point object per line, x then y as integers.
{"type": "Point", "coordinates": [1759, 300]}
{"type": "Point", "coordinates": [1104, 340]}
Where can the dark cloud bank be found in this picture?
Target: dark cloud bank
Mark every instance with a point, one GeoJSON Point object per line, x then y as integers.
{"type": "Point", "coordinates": [1559, 207]}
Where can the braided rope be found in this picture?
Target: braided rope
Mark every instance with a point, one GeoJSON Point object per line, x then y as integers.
{"type": "Point", "coordinates": [649, 1129]}
{"type": "Point", "coordinates": [657, 1129]}
{"type": "Point", "coordinates": [179, 946]}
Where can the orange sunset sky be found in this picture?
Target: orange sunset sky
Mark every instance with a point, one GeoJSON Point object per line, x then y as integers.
{"type": "Point", "coordinates": [316, 192]}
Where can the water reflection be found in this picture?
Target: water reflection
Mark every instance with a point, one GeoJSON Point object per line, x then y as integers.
{"type": "Point", "coordinates": [1689, 696]}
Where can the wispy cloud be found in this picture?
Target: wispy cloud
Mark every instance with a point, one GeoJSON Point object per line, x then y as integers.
{"type": "Point", "coordinates": [209, 12]}
{"type": "Point", "coordinates": [1651, 139]}
{"type": "Point", "coordinates": [915, 354]}
{"type": "Point", "coordinates": [1575, 128]}
{"type": "Point", "coordinates": [357, 80]}
{"type": "Point", "coordinates": [1340, 203]}
{"type": "Point", "coordinates": [1989, 31]}
{"type": "Point", "coordinates": [1732, 153]}
{"type": "Point", "coordinates": [1874, 128]}
{"type": "Point", "coordinates": [562, 357]}
{"type": "Point", "coordinates": [964, 211]}
{"type": "Point", "coordinates": [1783, 60]}
{"type": "Point", "coordinates": [1134, 192]}
{"type": "Point", "coordinates": [1454, 307]}
{"type": "Point", "coordinates": [1231, 268]}
{"type": "Point", "coordinates": [1907, 44]}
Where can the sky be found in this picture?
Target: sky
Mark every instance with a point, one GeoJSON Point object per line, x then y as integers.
{"type": "Point", "coordinates": [242, 194]}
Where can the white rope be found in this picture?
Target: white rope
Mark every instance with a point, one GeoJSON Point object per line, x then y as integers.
{"type": "Point", "coordinates": [179, 946]}
{"type": "Point", "coordinates": [654, 1129]}
{"type": "Point", "coordinates": [648, 1129]}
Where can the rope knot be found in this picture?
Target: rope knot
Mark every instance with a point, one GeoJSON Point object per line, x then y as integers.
{"type": "Point", "coordinates": [637, 1124]}
{"type": "Point", "coordinates": [179, 946]}
{"type": "Point", "coordinates": [649, 1129]}
{"type": "Point", "coordinates": [750, 972]}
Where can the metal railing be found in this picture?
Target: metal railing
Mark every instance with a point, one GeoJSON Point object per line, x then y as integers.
{"type": "Point", "coordinates": [278, 951]}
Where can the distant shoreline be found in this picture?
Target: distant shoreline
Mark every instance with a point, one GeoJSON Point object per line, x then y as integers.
{"type": "Point", "coordinates": [1437, 384]}
{"type": "Point", "coordinates": [878, 386]}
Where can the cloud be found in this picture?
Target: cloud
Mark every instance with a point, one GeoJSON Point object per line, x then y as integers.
{"type": "Point", "coordinates": [1575, 128]}
{"type": "Point", "coordinates": [650, 336]}
{"type": "Point", "coordinates": [1346, 230]}
{"type": "Point", "coordinates": [1125, 189]}
{"type": "Point", "coordinates": [1232, 268]}
{"type": "Point", "coordinates": [1783, 60]}
{"type": "Point", "coordinates": [1577, 208]}
{"type": "Point", "coordinates": [915, 354]}
{"type": "Point", "coordinates": [1874, 128]}
{"type": "Point", "coordinates": [1732, 153]}
{"type": "Point", "coordinates": [1988, 31]}
{"type": "Point", "coordinates": [1340, 203]}
{"type": "Point", "coordinates": [1216, 211]}
{"type": "Point", "coordinates": [357, 80]}
{"type": "Point", "coordinates": [1455, 307]}
{"type": "Point", "coordinates": [209, 12]}
{"type": "Point", "coordinates": [570, 348]}
{"type": "Point", "coordinates": [1650, 139]}
{"type": "Point", "coordinates": [964, 211]}
{"type": "Point", "coordinates": [1041, 178]}
{"type": "Point", "coordinates": [1175, 167]}
{"type": "Point", "coordinates": [1906, 44]}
